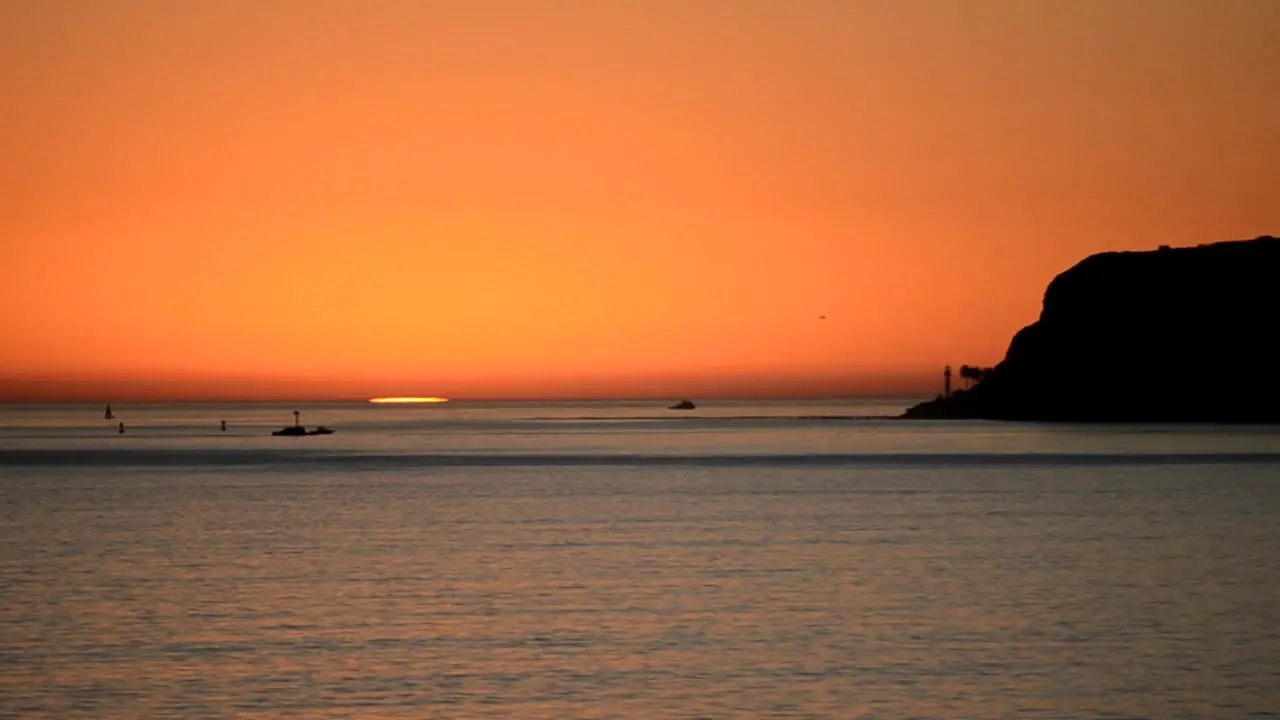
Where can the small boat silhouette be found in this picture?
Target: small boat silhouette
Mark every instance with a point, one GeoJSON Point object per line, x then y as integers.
{"type": "Point", "coordinates": [107, 415]}
{"type": "Point", "coordinates": [290, 431]}
{"type": "Point", "coordinates": [297, 429]}
{"type": "Point", "coordinates": [683, 405]}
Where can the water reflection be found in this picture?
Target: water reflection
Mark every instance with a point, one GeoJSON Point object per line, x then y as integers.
{"type": "Point", "coordinates": [572, 592]}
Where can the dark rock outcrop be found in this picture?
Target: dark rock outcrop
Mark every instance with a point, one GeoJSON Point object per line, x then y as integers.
{"type": "Point", "coordinates": [1170, 335]}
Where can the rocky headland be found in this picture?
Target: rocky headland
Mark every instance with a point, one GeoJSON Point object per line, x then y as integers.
{"type": "Point", "coordinates": [1168, 335]}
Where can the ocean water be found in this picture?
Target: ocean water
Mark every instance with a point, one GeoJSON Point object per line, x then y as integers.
{"type": "Point", "coordinates": [620, 560]}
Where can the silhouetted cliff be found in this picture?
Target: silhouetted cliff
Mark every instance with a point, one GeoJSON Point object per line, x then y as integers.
{"type": "Point", "coordinates": [1176, 334]}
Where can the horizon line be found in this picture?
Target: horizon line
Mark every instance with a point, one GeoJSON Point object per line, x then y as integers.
{"type": "Point", "coordinates": [364, 400]}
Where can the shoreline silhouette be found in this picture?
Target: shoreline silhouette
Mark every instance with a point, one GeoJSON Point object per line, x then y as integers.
{"type": "Point", "coordinates": [1167, 335]}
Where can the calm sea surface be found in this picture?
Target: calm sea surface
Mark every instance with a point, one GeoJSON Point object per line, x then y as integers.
{"type": "Point", "coordinates": [607, 560]}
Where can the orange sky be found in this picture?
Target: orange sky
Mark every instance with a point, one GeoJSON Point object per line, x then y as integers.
{"type": "Point", "coordinates": [300, 198]}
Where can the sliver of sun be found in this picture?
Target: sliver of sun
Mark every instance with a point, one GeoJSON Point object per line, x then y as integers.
{"type": "Point", "coordinates": [406, 400]}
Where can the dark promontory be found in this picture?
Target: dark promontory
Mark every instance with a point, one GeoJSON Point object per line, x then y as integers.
{"type": "Point", "coordinates": [1169, 335]}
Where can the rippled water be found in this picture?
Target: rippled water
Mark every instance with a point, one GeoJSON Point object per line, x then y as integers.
{"type": "Point", "coordinates": [747, 561]}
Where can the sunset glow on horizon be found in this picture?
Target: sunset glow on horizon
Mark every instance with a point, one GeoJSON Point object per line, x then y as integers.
{"type": "Point", "coordinates": [567, 199]}
{"type": "Point", "coordinates": [408, 400]}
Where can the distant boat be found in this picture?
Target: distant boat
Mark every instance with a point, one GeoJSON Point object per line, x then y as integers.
{"type": "Point", "coordinates": [290, 431]}
{"type": "Point", "coordinates": [297, 429]}
{"type": "Point", "coordinates": [683, 405]}
{"type": "Point", "coordinates": [107, 415]}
